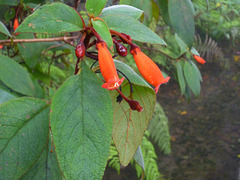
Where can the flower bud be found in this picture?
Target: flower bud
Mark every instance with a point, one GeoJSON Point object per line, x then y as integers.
{"type": "Point", "coordinates": [80, 50]}
{"type": "Point", "coordinates": [121, 49]}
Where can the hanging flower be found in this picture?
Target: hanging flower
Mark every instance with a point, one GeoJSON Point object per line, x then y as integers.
{"type": "Point", "coordinates": [199, 59]}
{"type": "Point", "coordinates": [15, 24]}
{"type": "Point", "coordinates": [107, 67]}
{"type": "Point", "coordinates": [148, 68]}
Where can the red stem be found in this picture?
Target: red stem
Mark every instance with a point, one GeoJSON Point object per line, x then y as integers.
{"type": "Point", "coordinates": [95, 33]}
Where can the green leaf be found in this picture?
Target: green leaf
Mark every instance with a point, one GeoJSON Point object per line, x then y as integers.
{"type": "Point", "coordinates": [10, 3]}
{"type": "Point", "coordinates": [46, 167]}
{"type": "Point", "coordinates": [132, 27]}
{"type": "Point", "coordinates": [128, 125]}
{"type": "Point", "coordinates": [30, 52]}
{"type": "Point", "coordinates": [181, 44]}
{"type": "Point", "coordinates": [145, 5]}
{"type": "Point", "coordinates": [192, 78]}
{"type": "Point", "coordinates": [123, 10]}
{"type": "Point", "coordinates": [24, 131]}
{"type": "Point", "coordinates": [194, 51]}
{"type": "Point", "coordinates": [6, 95]}
{"type": "Point", "coordinates": [16, 77]}
{"type": "Point", "coordinates": [197, 70]}
{"type": "Point", "coordinates": [16, 2]}
{"type": "Point", "coordinates": [130, 73]}
{"type": "Point", "coordinates": [53, 18]}
{"type": "Point", "coordinates": [138, 157]}
{"type": "Point", "coordinates": [182, 19]}
{"type": "Point", "coordinates": [163, 6]}
{"type": "Point", "coordinates": [94, 8]}
{"type": "Point", "coordinates": [102, 29]}
{"type": "Point", "coordinates": [4, 30]}
{"type": "Point", "coordinates": [180, 76]}
{"type": "Point", "coordinates": [81, 123]}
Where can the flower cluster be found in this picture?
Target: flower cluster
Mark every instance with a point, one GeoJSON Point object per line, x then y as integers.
{"type": "Point", "coordinates": [148, 69]}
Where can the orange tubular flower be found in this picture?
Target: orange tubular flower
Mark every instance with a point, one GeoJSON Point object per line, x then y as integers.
{"type": "Point", "coordinates": [15, 24]}
{"type": "Point", "coordinates": [107, 67]}
{"type": "Point", "coordinates": [199, 59]}
{"type": "Point", "coordinates": [148, 68]}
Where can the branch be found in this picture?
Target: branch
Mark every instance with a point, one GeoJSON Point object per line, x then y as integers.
{"type": "Point", "coordinates": [13, 41]}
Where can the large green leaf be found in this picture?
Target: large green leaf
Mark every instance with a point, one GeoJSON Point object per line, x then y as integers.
{"type": "Point", "coordinates": [4, 30]}
{"type": "Point", "coordinates": [46, 167]}
{"type": "Point", "coordinates": [145, 5]}
{"type": "Point", "coordinates": [30, 52]}
{"type": "Point", "coordinates": [102, 29]}
{"type": "Point", "coordinates": [180, 76]}
{"type": "Point", "coordinates": [94, 8]}
{"type": "Point", "coordinates": [132, 27]}
{"type": "Point", "coordinates": [182, 19]}
{"type": "Point", "coordinates": [163, 6]}
{"type": "Point", "coordinates": [24, 128]}
{"type": "Point", "coordinates": [122, 9]}
{"type": "Point", "coordinates": [6, 95]}
{"type": "Point", "coordinates": [16, 77]}
{"type": "Point", "coordinates": [81, 123]}
{"type": "Point", "coordinates": [128, 125]}
{"type": "Point", "coordinates": [53, 18]}
{"type": "Point", "coordinates": [192, 78]}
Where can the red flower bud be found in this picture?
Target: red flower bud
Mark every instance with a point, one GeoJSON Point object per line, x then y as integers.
{"type": "Point", "coordinates": [1, 46]}
{"type": "Point", "coordinates": [107, 67]}
{"type": "Point", "coordinates": [199, 59]}
{"type": "Point", "coordinates": [80, 50]}
{"type": "Point", "coordinates": [148, 68]}
{"type": "Point", "coordinates": [121, 49]}
{"type": "Point", "coordinates": [15, 24]}
{"type": "Point", "coordinates": [134, 105]}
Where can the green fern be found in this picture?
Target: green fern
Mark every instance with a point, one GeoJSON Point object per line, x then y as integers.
{"type": "Point", "coordinates": [149, 157]}
{"type": "Point", "coordinates": [113, 160]}
{"type": "Point", "coordinates": [159, 131]}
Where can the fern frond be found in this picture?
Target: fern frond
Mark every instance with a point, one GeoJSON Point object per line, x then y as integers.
{"type": "Point", "coordinates": [210, 50]}
{"type": "Point", "coordinates": [113, 160]}
{"type": "Point", "coordinates": [150, 157]}
{"type": "Point", "coordinates": [159, 131]}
